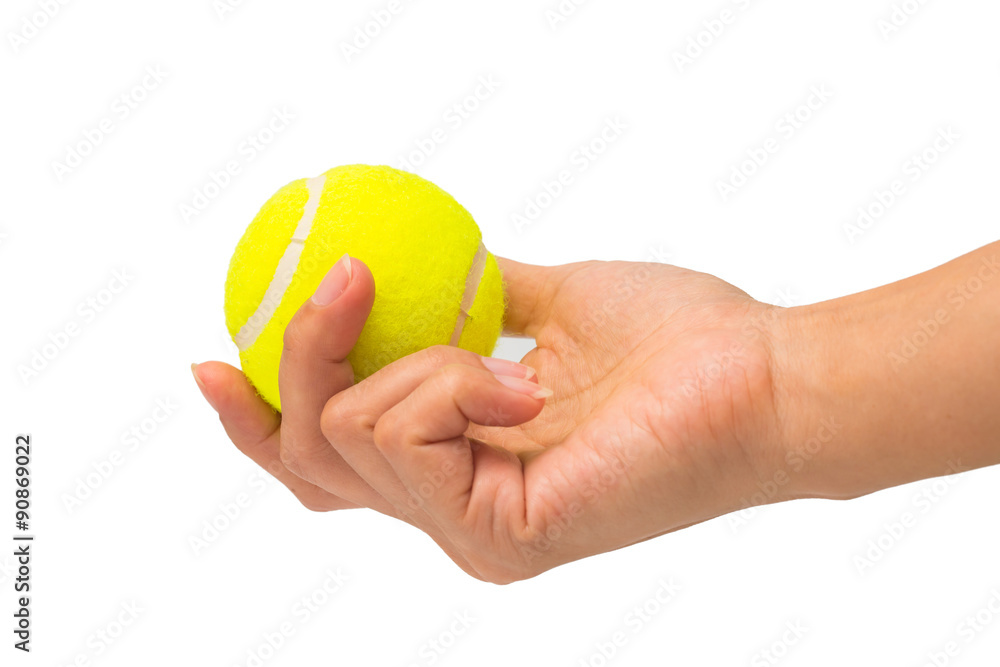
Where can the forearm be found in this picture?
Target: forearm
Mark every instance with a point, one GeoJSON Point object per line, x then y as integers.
{"type": "Point", "coordinates": [895, 384]}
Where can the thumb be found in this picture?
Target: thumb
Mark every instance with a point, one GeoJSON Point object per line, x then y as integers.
{"type": "Point", "coordinates": [531, 292]}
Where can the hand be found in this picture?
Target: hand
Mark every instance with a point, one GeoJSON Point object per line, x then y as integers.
{"type": "Point", "coordinates": [661, 415]}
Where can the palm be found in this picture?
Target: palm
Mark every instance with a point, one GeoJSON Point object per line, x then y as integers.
{"type": "Point", "coordinates": [654, 368]}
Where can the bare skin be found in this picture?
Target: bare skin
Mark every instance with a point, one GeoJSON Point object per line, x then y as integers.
{"type": "Point", "coordinates": [656, 398]}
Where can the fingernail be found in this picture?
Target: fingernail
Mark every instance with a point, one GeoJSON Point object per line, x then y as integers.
{"type": "Point", "coordinates": [334, 282]}
{"type": "Point", "coordinates": [509, 368]}
{"type": "Point", "coordinates": [201, 386]}
{"type": "Point", "coordinates": [524, 386]}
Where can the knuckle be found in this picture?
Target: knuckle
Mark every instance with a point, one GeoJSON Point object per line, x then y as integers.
{"type": "Point", "coordinates": [332, 418]}
{"type": "Point", "coordinates": [499, 574]}
{"type": "Point", "coordinates": [295, 336]}
{"type": "Point", "coordinates": [314, 506]}
{"type": "Point", "coordinates": [443, 355]}
{"type": "Point", "coordinates": [315, 500]}
{"type": "Point", "coordinates": [342, 416]}
{"type": "Point", "coordinates": [453, 377]}
{"type": "Point", "coordinates": [289, 455]}
{"type": "Point", "coordinates": [386, 433]}
{"type": "Point", "coordinates": [437, 355]}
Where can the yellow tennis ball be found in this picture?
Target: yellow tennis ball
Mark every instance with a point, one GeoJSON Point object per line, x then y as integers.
{"type": "Point", "coordinates": [435, 282]}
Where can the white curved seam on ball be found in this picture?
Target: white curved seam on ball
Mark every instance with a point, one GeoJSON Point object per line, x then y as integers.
{"type": "Point", "coordinates": [285, 271]}
{"type": "Point", "coordinates": [472, 282]}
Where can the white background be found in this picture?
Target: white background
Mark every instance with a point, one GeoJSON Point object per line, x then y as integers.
{"type": "Point", "coordinates": [652, 195]}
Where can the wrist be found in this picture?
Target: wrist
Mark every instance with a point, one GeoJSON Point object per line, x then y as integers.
{"type": "Point", "coordinates": [812, 374]}
{"type": "Point", "coordinates": [891, 385]}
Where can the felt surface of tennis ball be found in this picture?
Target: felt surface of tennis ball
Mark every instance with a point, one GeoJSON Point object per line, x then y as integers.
{"type": "Point", "coordinates": [435, 283]}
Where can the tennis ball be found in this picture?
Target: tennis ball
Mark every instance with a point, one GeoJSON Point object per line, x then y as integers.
{"type": "Point", "coordinates": [435, 282]}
